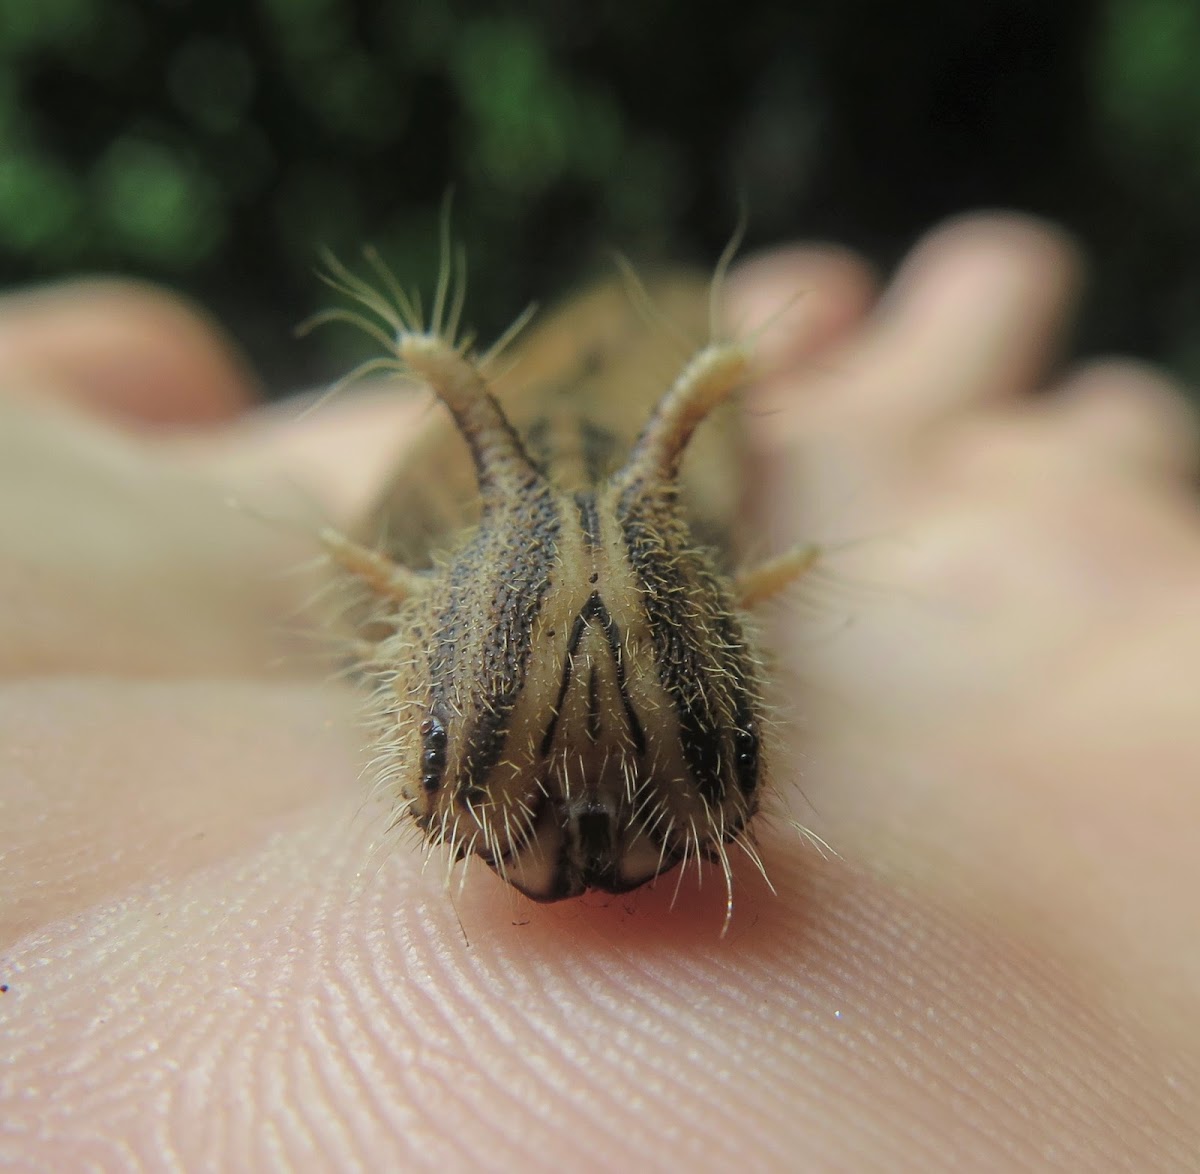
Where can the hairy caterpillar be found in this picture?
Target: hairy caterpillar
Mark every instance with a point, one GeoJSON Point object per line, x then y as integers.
{"type": "Point", "coordinates": [563, 678]}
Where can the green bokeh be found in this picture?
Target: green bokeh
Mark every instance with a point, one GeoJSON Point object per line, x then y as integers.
{"type": "Point", "coordinates": [218, 146]}
{"type": "Point", "coordinates": [1146, 76]}
{"type": "Point", "coordinates": [156, 204]}
{"type": "Point", "coordinates": [39, 204]}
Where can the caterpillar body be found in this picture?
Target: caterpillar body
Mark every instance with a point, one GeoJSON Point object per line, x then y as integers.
{"type": "Point", "coordinates": [563, 676]}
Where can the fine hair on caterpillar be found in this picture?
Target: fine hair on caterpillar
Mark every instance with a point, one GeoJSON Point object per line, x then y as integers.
{"type": "Point", "coordinates": [563, 675]}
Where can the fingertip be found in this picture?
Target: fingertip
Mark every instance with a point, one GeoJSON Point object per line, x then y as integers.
{"type": "Point", "coordinates": [1019, 270]}
{"type": "Point", "coordinates": [1130, 411]}
{"type": "Point", "coordinates": [125, 349]}
{"type": "Point", "coordinates": [973, 316]}
{"type": "Point", "coordinates": [1015, 241]}
{"type": "Point", "coordinates": [798, 300]}
{"type": "Point", "coordinates": [998, 228]}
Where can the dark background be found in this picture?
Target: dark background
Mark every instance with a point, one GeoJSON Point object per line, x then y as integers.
{"type": "Point", "coordinates": [215, 145]}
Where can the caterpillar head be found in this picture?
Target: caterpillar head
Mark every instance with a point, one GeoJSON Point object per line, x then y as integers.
{"type": "Point", "coordinates": [572, 695]}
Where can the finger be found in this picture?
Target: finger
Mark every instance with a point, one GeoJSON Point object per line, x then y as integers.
{"type": "Point", "coordinates": [1127, 412]}
{"type": "Point", "coordinates": [124, 349]}
{"type": "Point", "coordinates": [185, 553]}
{"type": "Point", "coordinates": [118, 560]}
{"type": "Point", "coordinates": [337, 457]}
{"type": "Point", "coordinates": [796, 305]}
{"type": "Point", "coordinates": [970, 318]}
{"type": "Point", "coordinates": [973, 316]}
{"type": "Point", "coordinates": [796, 302]}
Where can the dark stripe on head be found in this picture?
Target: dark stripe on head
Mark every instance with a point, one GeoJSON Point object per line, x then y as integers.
{"type": "Point", "coordinates": [599, 449]}
{"type": "Point", "coordinates": [594, 609]}
{"type": "Point", "coordinates": [503, 575]}
{"type": "Point", "coordinates": [744, 735]}
{"type": "Point", "coordinates": [699, 650]}
{"type": "Point", "coordinates": [589, 520]}
{"type": "Point", "coordinates": [568, 670]}
{"type": "Point", "coordinates": [593, 705]}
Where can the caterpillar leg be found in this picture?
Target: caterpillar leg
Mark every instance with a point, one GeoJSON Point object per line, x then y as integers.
{"type": "Point", "coordinates": [760, 583]}
{"type": "Point", "coordinates": [376, 570]}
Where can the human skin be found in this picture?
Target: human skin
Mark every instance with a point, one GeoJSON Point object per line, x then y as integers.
{"type": "Point", "coordinates": [216, 958]}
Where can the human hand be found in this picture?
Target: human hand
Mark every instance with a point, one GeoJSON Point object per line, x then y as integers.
{"type": "Point", "coordinates": [993, 682]}
{"type": "Point", "coordinates": [209, 961]}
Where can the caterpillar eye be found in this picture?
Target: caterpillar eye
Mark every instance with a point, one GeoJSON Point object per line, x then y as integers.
{"type": "Point", "coordinates": [433, 756]}
{"type": "Point", "coordinates": [745, 747]}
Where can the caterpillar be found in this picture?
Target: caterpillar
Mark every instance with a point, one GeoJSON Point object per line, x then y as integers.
{"type": "Point", "coordinates": [562, 672]}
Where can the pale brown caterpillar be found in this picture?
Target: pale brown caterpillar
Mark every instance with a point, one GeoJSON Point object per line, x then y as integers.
{"type": "Point", "coordinates": [563, 680]}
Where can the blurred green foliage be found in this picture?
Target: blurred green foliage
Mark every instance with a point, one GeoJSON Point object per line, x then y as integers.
{"type": "Point", "coordinates": [217, 146]}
